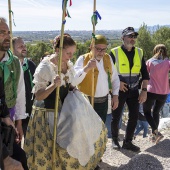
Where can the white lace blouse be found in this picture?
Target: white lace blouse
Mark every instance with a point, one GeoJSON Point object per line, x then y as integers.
{"type": "Point", "coordinates": [47, 71]}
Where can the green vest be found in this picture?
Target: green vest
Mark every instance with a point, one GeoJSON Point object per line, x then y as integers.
{"type": "Point", "coordinates": [122, 62]}
{"type": "Point", "coordinates": [12, 78]}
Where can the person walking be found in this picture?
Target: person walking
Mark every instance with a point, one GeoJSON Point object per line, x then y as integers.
{"type": "Point", "coordinates": [81, 134]}
{"type": "Point", "coordinates": [130, 64]}
{"type": "Point", "coordinates": [158, 88]}
{"type": "Point", "coordinates": [104, 73]}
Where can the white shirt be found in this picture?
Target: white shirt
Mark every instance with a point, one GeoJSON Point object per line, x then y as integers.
{"type": "Point", "coordinates": [102, 88]}
{"type": "Point", "coordinates": [20, 100]}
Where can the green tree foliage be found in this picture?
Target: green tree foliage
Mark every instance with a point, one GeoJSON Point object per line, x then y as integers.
{"type": "Point", "coordinates": [145, 42]}
{"type": "Point", "coordinates": [113, 43]}
{"type": "Point", "coordinates": [36, 51]}
{"type": "Point", "coordinates": [162, 36]}
{"type": "Point", "coordinates": [82, 48]}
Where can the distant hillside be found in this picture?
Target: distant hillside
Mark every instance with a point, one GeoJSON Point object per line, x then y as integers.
{"type": "Point", "coordinates": [30, 36]}
{"type": "Point", "coordinates": [46, 36]}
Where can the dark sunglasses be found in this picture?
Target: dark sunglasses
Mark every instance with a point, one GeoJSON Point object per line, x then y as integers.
{"type": "Point", "coordinates": [132, 36]}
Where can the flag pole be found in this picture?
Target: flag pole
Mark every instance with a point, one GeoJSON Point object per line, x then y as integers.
{"type": "Point", "coordinates": [10, 24]}
{"type": "Point", "coordinates": [58, 88]}
{"type": "Point", "coordinates": [93, 53]}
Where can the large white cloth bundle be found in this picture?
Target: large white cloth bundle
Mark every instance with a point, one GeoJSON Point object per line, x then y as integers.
{"type": "Point", "coordinates": [79, 127]}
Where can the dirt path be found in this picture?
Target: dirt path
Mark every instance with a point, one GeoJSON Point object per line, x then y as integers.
{"type": "Point", "coordinates": [151, 157]}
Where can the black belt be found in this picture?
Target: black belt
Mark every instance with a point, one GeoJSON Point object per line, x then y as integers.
{"type": "Point", "coordinates": [99, 99]}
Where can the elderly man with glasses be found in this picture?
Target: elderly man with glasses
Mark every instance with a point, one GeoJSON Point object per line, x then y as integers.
{"type": "Point", "coordinates": [130, 64]}
{"type": "Point", "coordinates": [105, 76]}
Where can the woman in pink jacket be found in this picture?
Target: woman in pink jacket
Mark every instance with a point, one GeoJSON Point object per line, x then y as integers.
{"type": "Point", "coordinates": [158, 87]}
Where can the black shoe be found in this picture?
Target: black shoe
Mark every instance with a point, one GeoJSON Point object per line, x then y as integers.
{"type": "Point", "coordinates": [130, 146]}
{"type": "Point", "coordinates": [115, 144]}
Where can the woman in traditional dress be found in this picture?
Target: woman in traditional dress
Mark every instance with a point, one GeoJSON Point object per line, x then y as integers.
{"type": "Point", "coordinates": [81, 135]}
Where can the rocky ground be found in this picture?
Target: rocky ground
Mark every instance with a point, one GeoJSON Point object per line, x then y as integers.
{"type": "Point", "coordinates": [151, 157]}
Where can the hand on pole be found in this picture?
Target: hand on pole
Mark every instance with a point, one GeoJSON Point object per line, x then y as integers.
{"type": "Point", "coordinates": [57, 81]}
{"type": "Point", "coordinates": [90, 65]}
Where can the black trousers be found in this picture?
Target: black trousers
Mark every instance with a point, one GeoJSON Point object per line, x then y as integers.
{"type": "Point", "coordinates": [156, 101]}
{"type": "Point", "coordinates": [101, 109]}
{"type": "Point", "coordinates": [19, 155]}
{"type": "Point", "coordinates": [129, 97]}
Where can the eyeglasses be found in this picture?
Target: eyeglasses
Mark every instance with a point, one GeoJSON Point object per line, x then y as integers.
{"type": "Point", "coordinates": [132, 36]}
{"type": "Point", "coordinates": [100, 49]}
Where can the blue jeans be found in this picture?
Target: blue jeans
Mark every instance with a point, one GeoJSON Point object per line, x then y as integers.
{"type": "Point", "coordinates": [142, 125]}
{"type": "Point", "coordinates": [108, 124]}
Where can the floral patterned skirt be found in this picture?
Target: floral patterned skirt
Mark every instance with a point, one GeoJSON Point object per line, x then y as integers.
{"type": "Point", "coordinates": [39, 141]}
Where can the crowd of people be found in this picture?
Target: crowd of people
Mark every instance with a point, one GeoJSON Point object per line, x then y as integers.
{"type": "Point", "coordinates": [81, 132]}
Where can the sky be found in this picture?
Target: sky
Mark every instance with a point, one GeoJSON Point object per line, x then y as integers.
{"type": "Point", "coordinates": [46, 15]}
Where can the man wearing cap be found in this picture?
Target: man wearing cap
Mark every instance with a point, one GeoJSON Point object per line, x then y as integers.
{"type": "Point", "coordinates": [130, 64]}
{"type": "Point", "coordinates": [105, 76]}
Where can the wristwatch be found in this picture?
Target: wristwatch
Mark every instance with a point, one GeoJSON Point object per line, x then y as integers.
{"type": "Point", "coordinates": [144, 89]}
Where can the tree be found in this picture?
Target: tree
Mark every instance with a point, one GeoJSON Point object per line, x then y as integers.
{"type": "Point", "coordinates": [36, 51]}
{"type": "Point", "coordinates": [162, 36]}
{"type": "Point", "coordinates": [144, 41]}
{"type": "Point", "coordinates": [82, 48]}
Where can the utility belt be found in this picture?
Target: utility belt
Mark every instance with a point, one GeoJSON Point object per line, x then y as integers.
{"type": "Point", "coordinates": [99, 99]}
{"type": "Point", "coordinates": [131, 81]}
{"type": "Point", "coordinates": [133, 86]}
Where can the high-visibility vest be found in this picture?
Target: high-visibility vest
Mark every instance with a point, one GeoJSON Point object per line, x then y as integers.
{"type": "Point", "coordinates": [122, 62]}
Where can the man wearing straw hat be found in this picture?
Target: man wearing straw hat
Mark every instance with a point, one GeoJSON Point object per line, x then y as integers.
{"type": "Point", "coordinates": [105, 76]}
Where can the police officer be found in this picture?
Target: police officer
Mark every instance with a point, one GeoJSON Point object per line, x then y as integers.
{"type": "Point", "coordinates": [130, 63]}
